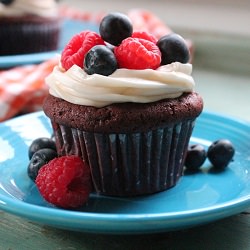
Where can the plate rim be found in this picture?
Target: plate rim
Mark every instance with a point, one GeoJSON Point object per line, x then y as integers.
{"type": "Point", "coordinates": [24, 59]}
{"type": "Point", "coordinates": [165, 220]}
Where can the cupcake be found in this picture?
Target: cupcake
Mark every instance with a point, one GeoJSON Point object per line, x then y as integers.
{"type": "Point", "coordinates": [128, 111]}
{"type": "Point", "coordinates": [28, 26]}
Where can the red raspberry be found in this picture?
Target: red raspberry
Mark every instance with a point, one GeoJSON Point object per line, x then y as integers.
{"type": "Point", "coordinates": [65, 182]}
{"type": "Point", "coordinates": [74, 52]}
{"type": "Point", "coordinates": [137, 53]}
{"type": "Point", "coordinates": [144, 35]}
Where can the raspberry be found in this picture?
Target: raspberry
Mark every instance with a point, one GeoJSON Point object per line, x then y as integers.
{"type": "Point", "coordinates": [75, 51]}
{"type": "Point", "coordinates": [137, 53]}
{"type": "Point", "coordinates": [145, 35]}
{"type": "Point", "coordinates": [65, 182]}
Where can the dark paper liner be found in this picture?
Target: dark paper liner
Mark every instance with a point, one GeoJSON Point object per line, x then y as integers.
{"type": "Point", "coordinates": [29, 37]}
{"type": "Point", "coordinates": [129, 164]}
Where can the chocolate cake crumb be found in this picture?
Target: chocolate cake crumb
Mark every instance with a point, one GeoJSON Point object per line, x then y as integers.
{"type": "Point", "coordinates": [124, 117]}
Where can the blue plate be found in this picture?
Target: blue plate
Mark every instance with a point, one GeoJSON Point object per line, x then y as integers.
{"type": "Point", "coordinates": [197, 199]}
{"type": "Point", "coordinates": [69, 28]}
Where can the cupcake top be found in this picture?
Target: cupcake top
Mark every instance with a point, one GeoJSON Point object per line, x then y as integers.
{"type": "Point", "coordinates": [124, 85]}
{"type": "Point", "coordinates": [120, 65]}
{"type": "Point", "coordinates": [16, 8]}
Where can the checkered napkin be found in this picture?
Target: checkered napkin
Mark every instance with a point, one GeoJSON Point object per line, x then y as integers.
{"type": "Point", "coordinates": [22, 89]}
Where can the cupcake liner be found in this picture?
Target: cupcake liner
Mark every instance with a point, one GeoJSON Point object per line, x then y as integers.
{"type": "Point", "coordinates": [129, 164]}
{"type": "Point", "coordinates": [29, 37]}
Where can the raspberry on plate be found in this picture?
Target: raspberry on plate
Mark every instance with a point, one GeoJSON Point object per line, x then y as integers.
{"type": "Point", "coordinates": [65, 182]}
{"type": "Point", "coordinates": [137, 53]}
{"type": "Point", "coordinates": [75, 51]}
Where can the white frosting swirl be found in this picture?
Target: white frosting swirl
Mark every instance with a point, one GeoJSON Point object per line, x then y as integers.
{"type": "Point", "coordinates": [43, 8]}
{"type": "Point", "coordinates": [124, 85]}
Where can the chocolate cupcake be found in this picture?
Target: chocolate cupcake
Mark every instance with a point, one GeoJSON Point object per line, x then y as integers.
{"type": "Point", "coordinates": [127, 112]}
{"type": "Point", "coordinates": [28, 27]}
{"type": "Point", "coordinates": [131, 148]}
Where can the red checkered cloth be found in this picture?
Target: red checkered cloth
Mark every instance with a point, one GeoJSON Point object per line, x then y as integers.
{"type": "Point", "coordinates": [22, 89]}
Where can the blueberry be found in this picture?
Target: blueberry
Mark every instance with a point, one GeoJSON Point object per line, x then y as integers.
{"type": "Point", "coordinates": [115, 27]}
{"type": "Point", "coordinates": [39, 159]}
{"type": "Point", "coordinates": [220, 153]}
{"type": "Point", "coordinates": [196, 156]}
{"type": "Point", "coordinates": [40, 143]}
{"type": "Point", "coordinates": [173, 49]}
{"type": "Point", "coordinates": [100, 60]}
{"type": "Point", "coordinates": [6, 2]}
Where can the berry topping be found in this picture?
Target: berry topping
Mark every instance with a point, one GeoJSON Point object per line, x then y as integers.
{"type": "Point", "coordinates": [65, 182]}
{"type": "Point", "coordinates": [173, 49]}
{"type": "Point", "coordinates": [79, 45]}
{"type": "Point", "coordinates": [196, 156]}
{"type": "Point", "coordinates": [132, 50]}
{"type": "Point", "coordinates": [38, 160]}
{"type": "Point", "coordinates": [115, 27]}
{"type": "Point", "coordinates": [136, 53]}
{"type": "Point", "coordinates": [40, 143]}
{"type": "Point", "coordinates": [144, 35]}
{"type": "Point", "coordinates": [220, 153]}
{"type": "Point", "coordinates": [100, 60]}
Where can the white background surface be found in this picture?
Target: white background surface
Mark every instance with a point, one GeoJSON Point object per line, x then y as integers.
{"type": "Point", "coordinates": [228, 16]}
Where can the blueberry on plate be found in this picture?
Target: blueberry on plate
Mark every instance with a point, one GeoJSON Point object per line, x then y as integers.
{"type": "Point", "coordinates": [39, 159]}
{"type": "Point", "coordinates": [100, 60]}
{"type": "Point", "coordinates": [196, 156]}
{"type": "Point", "coordinates": [39, 143]}
{"type": "Point", "coordinates": [173, 48]}
{"type": "Point", "coordinates": [220, 153]}
{"type": "Point", "coordinates": [115, 27]}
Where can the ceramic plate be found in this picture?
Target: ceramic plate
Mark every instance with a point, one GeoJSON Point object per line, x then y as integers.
{"type": "Point", "coordinates": [197, 199]}
{"type": "Point", "coordinates": [69, 28]}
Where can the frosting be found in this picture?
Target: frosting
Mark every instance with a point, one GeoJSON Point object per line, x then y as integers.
{"type": "Point", "coordinates": [44, 8]}
{"type": "Point", "coordinates": [124, 85]}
